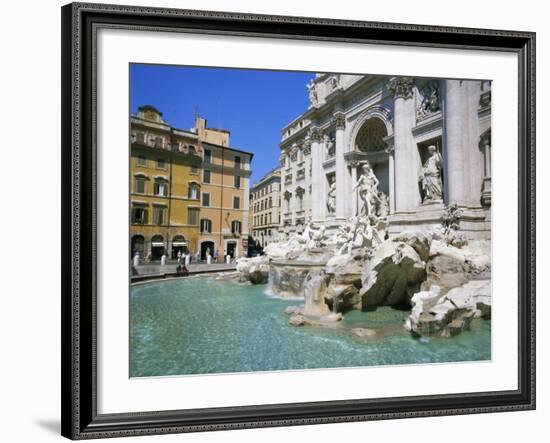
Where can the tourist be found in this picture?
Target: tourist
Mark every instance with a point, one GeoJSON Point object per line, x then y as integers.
{"type": "Point", "coordinates": [216, 255]}
{"type": "Point", "coordinates": [136, 259]}
{"type": "Point", "coordinates": [163, 260]}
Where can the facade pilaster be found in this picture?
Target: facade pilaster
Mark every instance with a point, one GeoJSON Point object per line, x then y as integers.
{"type": "Point", "coordinates": [315, 135]}
{"type": "Point", "coordinates": [340, 124]}
{"type": "Point", "coordinates": [407, 195]}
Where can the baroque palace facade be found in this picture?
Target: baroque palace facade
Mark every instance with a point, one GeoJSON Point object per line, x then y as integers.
{"type": "Point", "coordinates": [178, 179]}
{"type": "Point", "coordinates": [428, 141]}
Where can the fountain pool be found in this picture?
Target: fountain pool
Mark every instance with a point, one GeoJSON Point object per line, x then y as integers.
{"type": "Point", "coordinates": [203, 326]}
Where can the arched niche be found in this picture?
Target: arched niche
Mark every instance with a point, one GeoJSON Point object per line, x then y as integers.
{"type": "Point", "coordinates": [370, 142]}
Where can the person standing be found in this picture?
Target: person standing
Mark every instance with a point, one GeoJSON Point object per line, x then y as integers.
{"type": "Point", "coordinates": [136, 259]}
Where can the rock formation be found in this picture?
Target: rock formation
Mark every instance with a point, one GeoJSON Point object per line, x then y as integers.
{"type": "Point", "coordinates": [314, 294]}
{"type": "Point", "coordinates": [441, 277]}
{"type": "Point", "coordinates": [254, 270]}
{"type": "Point", "coordinates": [393, 274]}
{"type": "Point", "coordinates": [446, 315]}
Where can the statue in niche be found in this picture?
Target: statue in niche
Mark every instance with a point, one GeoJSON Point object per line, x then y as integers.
{"type": "Point", "coordinates": [368, 190]}
{"type": "Point", "coordinates": [330, 146]}
{"type": "Point", "coordinates": [334, 81]}
{"type": "Point", "coordinates": [312, 91]}
{"type": "Point", "coordinates": [432, 186]}
{"type": "Point", "coordinates": [331, 197]}
{"type": "Point", "coordinates": [430, 100]}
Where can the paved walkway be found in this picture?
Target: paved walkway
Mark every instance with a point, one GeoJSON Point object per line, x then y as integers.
{"type": "Point", "coordinates": [170, 268]}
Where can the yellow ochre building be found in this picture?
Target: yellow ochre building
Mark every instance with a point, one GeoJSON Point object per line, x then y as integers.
{"type": "Point", "coordinates": [165, 174]}
{"type": "Point", "coordinates": [187, 189]}
{"type": "Point", "coordinates": [225, 187]}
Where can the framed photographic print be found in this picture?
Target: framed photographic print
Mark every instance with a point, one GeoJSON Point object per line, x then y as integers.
{"type": "Point", "coordinates": [273, 221]}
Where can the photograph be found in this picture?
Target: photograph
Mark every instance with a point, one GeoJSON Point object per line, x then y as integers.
{"type": "Point", "coordinates": [290, 221]}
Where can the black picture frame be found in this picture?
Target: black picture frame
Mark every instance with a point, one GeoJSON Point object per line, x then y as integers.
{"type": "Point", "coordinates": [79, 175]}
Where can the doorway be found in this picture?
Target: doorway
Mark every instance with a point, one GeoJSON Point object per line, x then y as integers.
{"type": "Point", "coordinates": [231, 249]}
{"type": "Point", "coordinates": [207, 245]}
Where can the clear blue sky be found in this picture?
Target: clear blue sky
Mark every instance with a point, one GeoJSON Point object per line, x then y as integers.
{"type": "Point", "coordinates": [253, 104]}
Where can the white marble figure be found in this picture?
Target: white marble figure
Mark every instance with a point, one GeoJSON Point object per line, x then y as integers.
{"type": "Point", "coordinates": [318, 237]}
{"type": "Point", "coordinates": [432, 188]}
{"type": "Point", "coordinates": [312, 93]}
{"type": "Point", "coordinates": [331, 197]}
{"type": "Point", "coordinates": [354, 236]}
{"type": "Point", "coordinates": [330, 147]}
{"type": "Point", "coordinates": [307, 235]}
{"type": "Point", "coordinates": [367, 184]}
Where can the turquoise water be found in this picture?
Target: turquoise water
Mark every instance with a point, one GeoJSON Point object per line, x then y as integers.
{"type": "Point", "coordinates": [203, 326]}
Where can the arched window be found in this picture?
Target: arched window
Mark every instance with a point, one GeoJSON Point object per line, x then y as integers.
{"type": "Point", "coordinates": [194, 191]}
{"type": "Point", "coordinates": [300, 197]}
{"type": "Point", "coordinates": [236, 227]}
{"type": "Point", "coordinates": [161, 187]}
{"type": "Point", "coordinates": [138, 245]}
{"type": "Point", "coordinates": [140, 184]}
{"type": "Point", "coordinates": [206, 226]}
{"type": "Point", "coordinates": [370, 137]}
{"type": "Point", "coordinates": [287, 195]}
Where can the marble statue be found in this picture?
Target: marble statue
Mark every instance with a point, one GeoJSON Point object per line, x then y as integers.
{"type": "Point", "coordinates": [367, 184]}
{"type": "Point", "coordinates": [359, 232]}
{"type": "Point", "coordinates": [318, 238]}
{"type": "Point", "coordinates": [331, 197]}
{"type": "Point", "coordinates": [312, 93]}
{"type": "Point", "coordinates": [330, 146]}
{"type": "Point", "coordinates": [432, 188]}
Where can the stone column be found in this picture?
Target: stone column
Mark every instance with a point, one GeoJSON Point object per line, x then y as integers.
{"type": "Point", "coordinates": [485, 146]}
{"type": "Point", "coordinates": [463, 159]}
{"type": "Point", "coordinates": [474, 171]}
{"type": "Point", "coordinates": [353, 196]}
{"type": "Point", "coordinates": [453, 141]}
{"type": "Point", "coordinates": [340, 124]}
{"type": "Point", "coordinates": [407, 196]}
{"type": "Point", "coordinates": [391, 167]}
{"type": "Point", "coordinates": [316, 170]}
